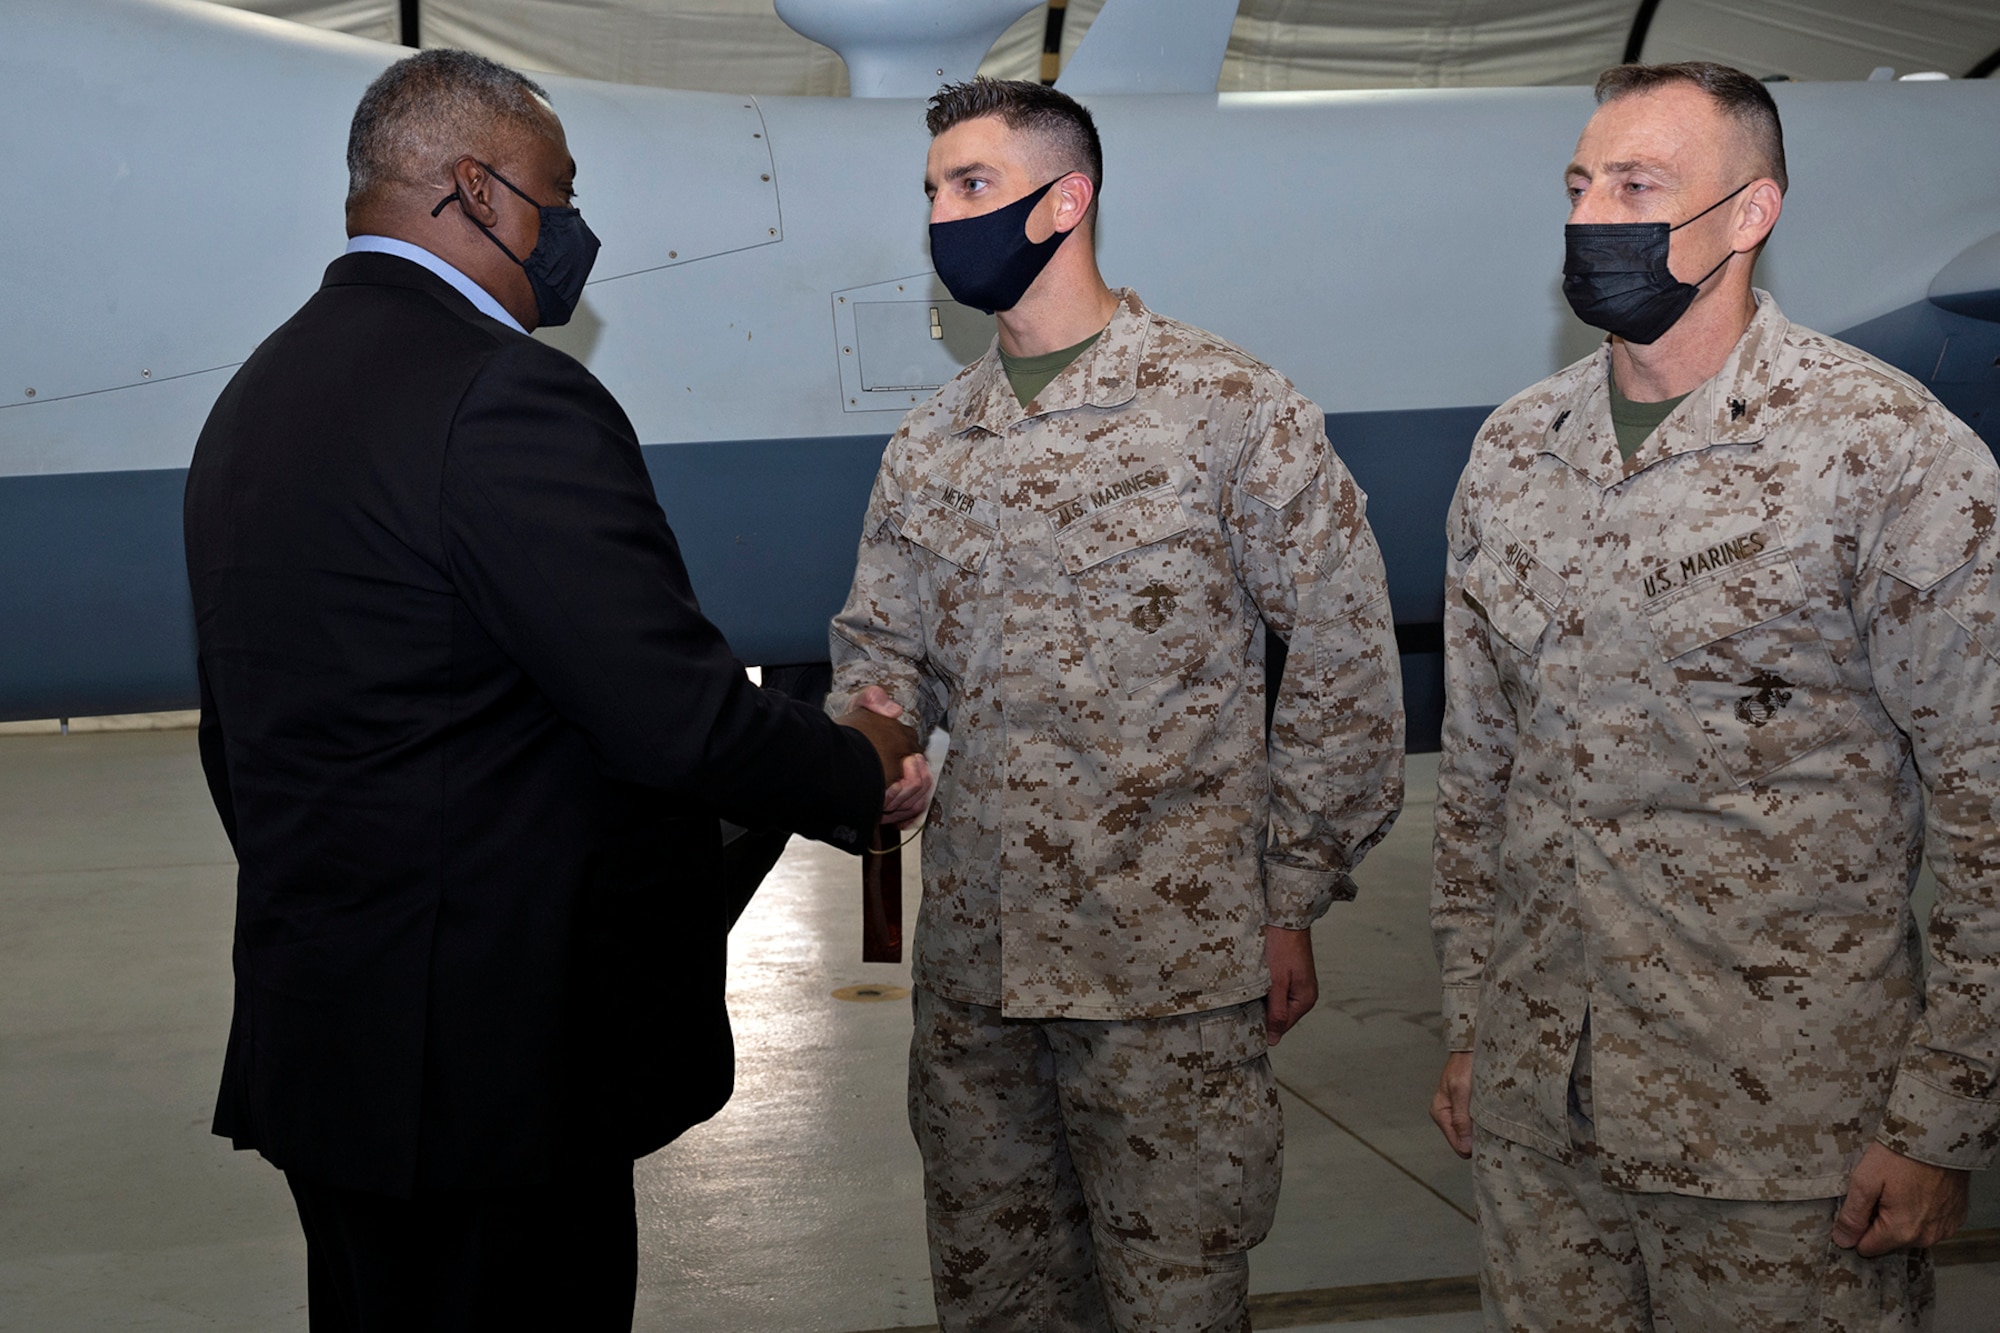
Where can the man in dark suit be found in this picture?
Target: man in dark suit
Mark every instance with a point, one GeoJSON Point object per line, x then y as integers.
{"type": "Point", "coordinates": [471, 737]}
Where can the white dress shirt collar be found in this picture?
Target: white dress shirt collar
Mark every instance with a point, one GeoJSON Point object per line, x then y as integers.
{"type": "Point", "coordinates": [416, 254]}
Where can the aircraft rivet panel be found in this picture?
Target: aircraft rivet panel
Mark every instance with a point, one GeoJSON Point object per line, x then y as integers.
{"type": "Point", "coordinates": [189, 161]}
{"type": "Point", "coordinates": [666, 177]}
{"type": "Point", "coordinates": [900, 340]}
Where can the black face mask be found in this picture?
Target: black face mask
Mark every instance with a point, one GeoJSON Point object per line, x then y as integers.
{"type": "Point", "coordinates": [559, 264]}
{"type": "Point", "coordinates": [988, 262]}
{"type": "Point", "coordinates": [1616, 277]}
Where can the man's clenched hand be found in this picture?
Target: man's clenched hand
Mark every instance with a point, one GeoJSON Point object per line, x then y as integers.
{"type": "Point", "coordinates": [1451, 1104]}
{"type": "Point", "coordinates": [1294, 984]}
{"type": "Point", "coordinates": [1896, 1202]}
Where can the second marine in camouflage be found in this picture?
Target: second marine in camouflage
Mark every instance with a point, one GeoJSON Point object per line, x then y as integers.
{"type": "Point", "coordinates": [1720, 610]}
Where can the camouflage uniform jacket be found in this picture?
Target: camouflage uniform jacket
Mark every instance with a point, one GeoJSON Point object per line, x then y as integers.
{"type": "Point", "coordinates": [1696, 700]}
{"type": "Point", "coordinates": [1078, 592]}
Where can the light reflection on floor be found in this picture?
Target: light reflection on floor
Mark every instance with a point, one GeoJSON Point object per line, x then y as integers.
{"type": "Point", "coordinates": [798, 1208]}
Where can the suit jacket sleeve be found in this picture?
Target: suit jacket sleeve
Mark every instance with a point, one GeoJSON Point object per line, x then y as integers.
{"type": "Point", "coordinates": [558, 546]}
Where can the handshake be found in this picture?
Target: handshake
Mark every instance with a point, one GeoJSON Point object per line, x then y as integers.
{"type": "Point", "coordinates": [905, 773]}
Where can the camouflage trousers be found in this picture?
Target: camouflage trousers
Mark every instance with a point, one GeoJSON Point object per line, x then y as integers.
{"type": "Point", "coordinates": [1088, 1175]}
{"type": "Point", "coordinates": [1565, 1253]}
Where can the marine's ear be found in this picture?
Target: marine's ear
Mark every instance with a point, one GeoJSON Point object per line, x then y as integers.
{"type": "Point", "coordinates": [1074, 194]}
{"type": "Point", "coordinates": [1757, 213]}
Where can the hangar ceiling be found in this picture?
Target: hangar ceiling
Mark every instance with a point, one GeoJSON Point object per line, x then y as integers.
{"type": "Point", "coordinates": [741, 46]}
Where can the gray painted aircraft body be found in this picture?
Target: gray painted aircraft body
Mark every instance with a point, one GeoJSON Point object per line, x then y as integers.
{"type": "Point", "coordinates": [764, 306]}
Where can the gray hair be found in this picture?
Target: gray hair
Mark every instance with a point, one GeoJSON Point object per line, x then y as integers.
{"type": "Point", "coordinates": [425, 112]}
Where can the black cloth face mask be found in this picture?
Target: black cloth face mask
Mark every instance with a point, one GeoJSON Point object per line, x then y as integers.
{"type": "Point", "coordinates": [1616, 277]}
{"type": "Point", "coordinates": [559, 264]}
{"type": "Point", "coordinates": [988, 262]}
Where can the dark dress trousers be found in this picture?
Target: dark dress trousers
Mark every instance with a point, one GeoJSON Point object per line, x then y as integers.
{"type": "Point", "coordinates": [471, 736]}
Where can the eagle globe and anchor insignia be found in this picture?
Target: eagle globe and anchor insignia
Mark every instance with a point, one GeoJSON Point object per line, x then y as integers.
{"type": "Point", "coordinates": [1155, 608]}
{"type": "Point", "coordinates": [1770, 693]}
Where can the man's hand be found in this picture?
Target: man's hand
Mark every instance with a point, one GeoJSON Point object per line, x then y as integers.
{"type": "Point", "coordinates": [1896, 1202]}
{"type": "Point", "coordinates": [906, 799]}
{"type": "Point", "coordinates": [1451, 1104]}
{"type": "Point", "coordinates": [907, 777]}
{"type": "Point", "coordinates": [1294, 984]}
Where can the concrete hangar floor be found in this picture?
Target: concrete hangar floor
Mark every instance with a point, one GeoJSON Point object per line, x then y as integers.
{"type": "Point", "coordinates": [798, 1208]}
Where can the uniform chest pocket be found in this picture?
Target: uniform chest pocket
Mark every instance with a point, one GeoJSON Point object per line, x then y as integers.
{"type": "Point", "coordinates": [1744, 655]}
{"type": "Point", "coordinates": [1140, 588]}
{"type": "Point", "coordinates": [957, 544]}
{"type": "Point", "coordinates": [1517, 612]}
{"type": "Point", "coordinates": [1517, 598]}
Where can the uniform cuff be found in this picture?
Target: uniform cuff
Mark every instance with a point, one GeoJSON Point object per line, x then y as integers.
{"type": "Point", "coordinates": [1926, 1123]}
{"type": "Point", "coordinates": [838, 701]}
{"type": "Point", "coordinates": [1461, 1004]}
{"type": "Point", "coordinates": [1295, 897]}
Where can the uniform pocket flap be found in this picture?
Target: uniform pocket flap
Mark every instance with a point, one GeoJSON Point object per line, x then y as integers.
{"type": "Point", "coordinates": [1108, 533]}
{"type": "Point", "coordinates": [1514, 612]}
{"type": "Point", "coordinates": [1744, 597]}
{"type": "Point", "coordinates": [1946, 525]}
{"type": "Point", "coordinates": [1234, 1036]}
{"type": "Point", "coordinates": [1288, 458]}
{"type": "Point", "coordinates": [946, 532]}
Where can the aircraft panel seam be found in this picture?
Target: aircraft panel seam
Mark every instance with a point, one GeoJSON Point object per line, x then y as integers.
{"type": "Point", "coordinates": [116, 388]}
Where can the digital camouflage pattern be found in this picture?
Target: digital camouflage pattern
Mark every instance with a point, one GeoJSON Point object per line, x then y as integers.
{"type": "Point", "coordinates": [1695, 699]}
{"type": "Point", "coordinates": [1566, 1254]}
{"type": "Point", "coordinates": [1563, 1252]}
{"type": "Point", "coordinates": [1078, 591]}
{"type": "Point", "coordinates": [1165, 1132]}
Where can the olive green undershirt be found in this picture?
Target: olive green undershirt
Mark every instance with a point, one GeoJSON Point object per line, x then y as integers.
{"type": "Point", "coordinates": [1029, 375]}
{"type": "Point", "coordinates": [1635, 421]}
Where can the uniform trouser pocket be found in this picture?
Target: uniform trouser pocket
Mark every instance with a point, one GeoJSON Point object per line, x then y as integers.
{"type": "Point", "coordinates": [1005, 1220]}
{"type": "Point", "coordinates": [1175, 1129]}
{"type": "Point", "coordinates": [1245, 1128]}
{"type": "Point", "coordinates": [1062, 1156]}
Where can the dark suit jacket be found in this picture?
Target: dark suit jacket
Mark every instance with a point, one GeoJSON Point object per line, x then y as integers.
{"type": "Point", "coordinates": [470, 735]}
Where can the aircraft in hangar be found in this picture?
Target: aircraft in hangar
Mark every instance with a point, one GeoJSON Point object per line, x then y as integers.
{"type": "Point", "coordinates": [764, 305]}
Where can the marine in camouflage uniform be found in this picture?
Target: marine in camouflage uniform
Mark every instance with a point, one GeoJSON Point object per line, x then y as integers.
{"type": "Point", "coordinates": [1696, 699]}
{"type": "Point", "coordinates": [1078, 589]}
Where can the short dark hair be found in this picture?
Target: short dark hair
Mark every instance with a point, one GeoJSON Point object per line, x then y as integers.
{"type": "Point", "coordinates": [1055, 118]}
{"type": "Point", "coordinates": [1743, 99]}
{"type": "Point", "coordinates": [426, 111]}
